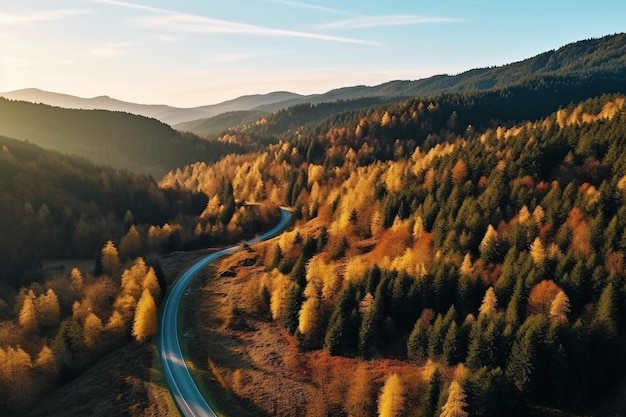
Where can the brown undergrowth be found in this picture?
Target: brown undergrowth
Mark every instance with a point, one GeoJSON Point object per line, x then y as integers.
{"type": "Point", "coordinates": [248, 364]}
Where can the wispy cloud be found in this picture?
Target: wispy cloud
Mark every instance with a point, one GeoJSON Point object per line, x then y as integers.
{"type": "Point", "coordinates": [169, 20]}
{"type": "Point", "coordinates": [130, 5]}
{"type": "Point", "coordinates": [310, 6]}
{"type": "Point", "coordinates": [38, 16]}
{"type": "Point", "coordinates": [384, 21]}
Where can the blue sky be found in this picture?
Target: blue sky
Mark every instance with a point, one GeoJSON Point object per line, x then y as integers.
{"type": "Point", "coordinates": [194, 52]}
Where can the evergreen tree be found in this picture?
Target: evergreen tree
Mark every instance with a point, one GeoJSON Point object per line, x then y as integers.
{"type": "Point", "coordinates": [435, 384]}
{"type": "Point", "coordinates": [417, 344]}
{"type": "Point", "coordinates": [289, 318]}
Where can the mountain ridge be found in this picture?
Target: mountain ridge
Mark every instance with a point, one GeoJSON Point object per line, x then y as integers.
{"type": "Point", "coordinates": [167, 114]}
{"type": "Point", "coordinates": [605, 54]}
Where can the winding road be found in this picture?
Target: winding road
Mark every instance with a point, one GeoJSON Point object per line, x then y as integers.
{"type": "Point", "coordinates": [186, 394]}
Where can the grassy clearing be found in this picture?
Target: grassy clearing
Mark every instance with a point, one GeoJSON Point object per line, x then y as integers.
{"type": "Point", "coordinates": [203, 350]}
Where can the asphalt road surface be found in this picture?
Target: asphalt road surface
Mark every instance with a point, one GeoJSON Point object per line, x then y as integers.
{"type": "Point", "coordinates": [186, 394]}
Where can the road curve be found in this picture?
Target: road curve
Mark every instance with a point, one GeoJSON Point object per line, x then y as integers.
{"type": "Point", "coordinates": [186, 394]}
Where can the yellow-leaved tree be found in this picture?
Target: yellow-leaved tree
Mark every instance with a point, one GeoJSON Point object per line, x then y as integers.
{"type": "Point", "coordinates": [361, 394]}
{"type": "Point", "coordinates": [110, 258]}
{"type": "Point", "coordinates": [560, 308]}
{"type": "Point", "coordinates": [93, 330]}
{"type": "Point", "coordinates": [490, 303]}
{"type": "Point", "coordinates": [391, 399]}
{"type": "Point", "coordinates": [455, 405]}
{"type": "Point", "coordinates": [145, 324]}
{"type": "Point", "coordinates": [28, 314]}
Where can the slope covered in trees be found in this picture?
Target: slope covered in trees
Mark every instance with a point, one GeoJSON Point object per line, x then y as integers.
{"type": "Point", "coordinates": [213, 126]}
{"type": "Point", "coordinates": [57, 206]}
{"type": "Point", "coordinates": [53, 327]}
{"type": "Point", "coordinates": [430, 234]}
{"type": "Point", "coordinates": [121, 140]}
{"type": "Point", "coordinates": [602, 57]}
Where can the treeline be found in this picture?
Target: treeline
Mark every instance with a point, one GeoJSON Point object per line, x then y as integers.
{"type": "Point", "coordinates": [117, 139]}
{"type": "Point", "coordinates": [287, 123]}
{"type": "Point", "coordinates": [497, 250]}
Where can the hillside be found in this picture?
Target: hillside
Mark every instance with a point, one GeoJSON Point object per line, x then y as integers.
{"type": "Point", "coordinates": [459, 243]}
{"type": "Point", "coordinates": [56, 206]}
{"type": "Point", "coordinates": [524, 90]}
{"type": "Point", "coordinates": [605, 56]}
{"type": "Point", "coordinates": [166, 114]}
{"type": "Point", "coordinates": [212, 126]}
{"type": "Point", "coordinates": [441, 247]}
{"type": "Point", "coordinates": [529, 100]}
{"type": "Point", "coordinates": [121, 140]}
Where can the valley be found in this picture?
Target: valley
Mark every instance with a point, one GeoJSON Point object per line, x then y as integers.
{"type": "Point", "coordinates": [454, 246]}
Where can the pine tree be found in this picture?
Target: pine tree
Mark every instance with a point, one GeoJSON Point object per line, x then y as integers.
{"type": "Point", "coordinates": [46, 363]}
{"type": "Point", "coordinates": [110, 258]}
{"type": "Point", "coordinates": [489, 245]}
{"type": "Point", "coordinates": [130, 245]}
{"type": "Point", "coordinates": [92, 331]}
{"type": "Point", "coordinates": [559, 309]}
{"type": "Point", "coordinates": [151, 283]}
{"type": "Point", "coordinates": [28, 319]}
{"type": "Point", "coordinates": [449, 353]}
{"type": "Point", "coordinates": [289, 318]}
{"type": "Point", "coordinates": [455, 405]}
{"type": "Point", "coordinates": [76, 281]}
{"type": "Point", "coordinates": [370, 326]}
{"type": "Point", "coordinates": [48, 309]}
{"type": "Point", "coordinates": [538, 251]}
{"type": "Point", "coordinates": [391, 399]}
{"type": "Point", "coordinates": [145, 324]}
{"type": "Point", "coordinates": [435, 384]}
{"type": "Point", "coordinates": [490, 303]}
{"type": "Point", "coordinates": [466, 268]}
{"type": "Point", "coordinates": [417, 344]}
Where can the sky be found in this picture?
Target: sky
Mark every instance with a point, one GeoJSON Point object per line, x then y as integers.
{"type": "Point", "coordinates": [189, 53]}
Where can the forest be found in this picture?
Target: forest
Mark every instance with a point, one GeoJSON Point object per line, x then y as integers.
{"type": "Point", "coordinates": [121, 140]}
{"type": "Point", "coordinates": [490, 254]}
{"type": "Point", "coordinates": [456, 251]}
{"type": "Point", "coordinates": [54, 327]}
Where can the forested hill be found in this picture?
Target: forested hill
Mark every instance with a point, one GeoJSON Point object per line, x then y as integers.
{"type": "Point", "coordinates": [493, 256]}
{"type": "Point", "coordinates": [605, 57]}
{"type": "Point", "coordinates": [121, 140]}
{"type": "Point", "coordinates": [528, 100]}
{"type": "Point", "coordinates": [54, 205]}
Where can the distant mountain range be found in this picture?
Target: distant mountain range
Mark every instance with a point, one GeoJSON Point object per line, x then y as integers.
{"type": "Point", "coordinates": [121, 140]}
{"type": "Point", "coordinates": [606, 56]}
{"type": "Point", "coordinates": [166, 114]}
{"type": "Point", "coordinates": [543, 83]}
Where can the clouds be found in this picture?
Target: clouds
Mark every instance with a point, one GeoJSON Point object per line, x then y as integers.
{"type": "Point", "coordinates": [361, 21]}
{"type": "Point", "coordinates": [180, 22]}
{"type": "Point", "coordinates": [384, 21]}
{"type": "Point", "coordinates": [309, 6]}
